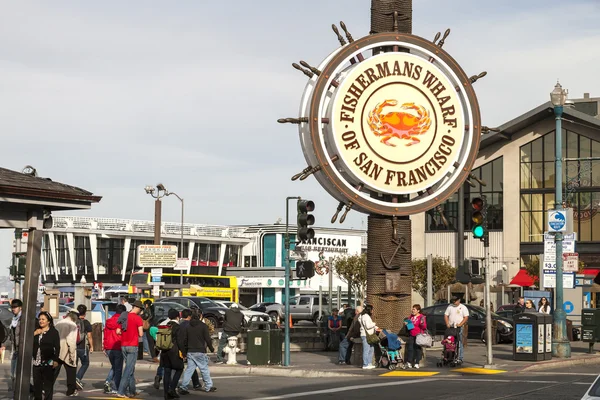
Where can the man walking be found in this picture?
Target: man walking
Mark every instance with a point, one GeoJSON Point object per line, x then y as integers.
{"type": "Point", "coordinates": [112, 349]}
{"type": "Point", "coordinates": [195, 341]}
{"type": "Point", "coordinates": [85, 345]}
{"type": "Point", "coordinates": [129, 348]}
{"type": "Point", "coordinates": [15, 331]}
{"type": "Point", "coordinates": [345, 351]}
{"type": "Point", "coordinates": [456, 316]}
{"type": "Point", "coordinates": [231, 327]}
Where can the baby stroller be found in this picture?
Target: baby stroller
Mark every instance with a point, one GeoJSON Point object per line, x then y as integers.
{"type": "Point", "coordinates": [391, 356]}
{"type": "Point", "coordinates": [451, 343]}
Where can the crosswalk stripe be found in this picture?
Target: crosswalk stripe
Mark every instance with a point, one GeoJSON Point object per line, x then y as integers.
{"type": "Point", "coordinates": [409, 373]}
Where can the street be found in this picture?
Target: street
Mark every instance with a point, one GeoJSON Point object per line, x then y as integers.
{"type": "Point", "coordinates": [567, 383]}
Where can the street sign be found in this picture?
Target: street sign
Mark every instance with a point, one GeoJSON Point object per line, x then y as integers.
{"type": "Point", "coordinates": [156, 279]}
{"type": "Point", "coordinates": [149, 256]}
{"type": "Point", "coordinates": [156, 291]}
{"type": "Point", "coordinates": [569, 240]}
{"type": "Point", "coordinates": [570, 262]}
{"type": "Point", "coordinates": [550, 279]}
{"type": "Point", "coordinates": [156, 272]}
{"type": "Point", "coordinates": [182, 264]}
{"type": "Point", "coordinates": [557, 221]}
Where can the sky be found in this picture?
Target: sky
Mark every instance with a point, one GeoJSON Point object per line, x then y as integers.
{"type": "Point", "coordinates": [112, 96]}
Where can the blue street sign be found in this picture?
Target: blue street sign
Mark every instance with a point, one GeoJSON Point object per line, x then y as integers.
{"type": "Point", "coordinates": [568, 307]}
{"type": "Point", "coordinates": [557, 221]}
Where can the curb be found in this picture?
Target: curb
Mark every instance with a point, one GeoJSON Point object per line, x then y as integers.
{"type": "Point", "coordinates": [249, 370]}
{"type": "Point", "coordinates": [562, 363]}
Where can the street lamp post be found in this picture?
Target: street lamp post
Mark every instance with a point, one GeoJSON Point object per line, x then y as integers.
{"type": "Point", "coordinates": [560, 345]}
{"type": "Point", "coordinates": [158, 193]}
{"type": "Point", "coordinates": [288, 277]}
{"type": "Point", "coordinates": [181, 246]}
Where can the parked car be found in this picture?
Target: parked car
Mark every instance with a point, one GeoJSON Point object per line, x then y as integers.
{"type": "Point", "coordinates": [261, 307]}
{"type": "Point", "coordinates": [437, 325]}
{"type": "Point", "coordinates": [211, 310]}
{"type": "Point", "coordinates": [247, 313]}
{"type": "Point", "coordinates": [507, 307]}
{"type": "Point", "coordinates": [302, 308]}
{"type": "Point", "coordinates": [508, 314]}
{"type": "Point", "coordinates": [161, 311]}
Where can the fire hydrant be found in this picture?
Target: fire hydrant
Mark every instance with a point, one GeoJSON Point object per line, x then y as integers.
{"type": "Point", "coordinates": [231, 350]}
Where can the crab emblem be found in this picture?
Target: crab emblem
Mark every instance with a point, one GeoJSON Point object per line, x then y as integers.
{"type": "Point", "coordinates": [399, 124]}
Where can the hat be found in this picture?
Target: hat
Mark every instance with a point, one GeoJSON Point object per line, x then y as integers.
{"type": "Point", "coordinates": [234, 305]}
{"type": "Point", "coordinates": [138, 304]}
{"type": "Point", "coordinates": [454, 299]}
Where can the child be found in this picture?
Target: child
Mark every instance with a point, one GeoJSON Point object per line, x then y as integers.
{"type": "Point", "coordinates": [449, 348]}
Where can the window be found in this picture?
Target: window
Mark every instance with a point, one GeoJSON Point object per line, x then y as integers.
{"type": "Point", "coordinates": [83, 255]}
{"type": "Point", "coordinates": [492, 175]}
{"type": "Point", "coordinates": [581, 185]}
{"type": "Point", "coordinates": [305, 301]}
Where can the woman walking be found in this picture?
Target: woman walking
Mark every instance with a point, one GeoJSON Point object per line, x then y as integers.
{"type": "Point", "coordinates": [46, 349]}
{"type": "Point", "coordinates": [544, 306]}
{"type": "Point", "coordinates": [67, 332]}
{"type": "Point", "coordinates": [414, 352]}
{"type": "Point", "coordinates": [367, 327]}
{"type": "Point", "coordinates": [147, 317]}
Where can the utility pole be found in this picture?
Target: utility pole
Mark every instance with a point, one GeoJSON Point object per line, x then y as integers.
{"type": "Point", "coordinates": [18, 236]}
{"type": "Point", "coordinates": [288, 277]}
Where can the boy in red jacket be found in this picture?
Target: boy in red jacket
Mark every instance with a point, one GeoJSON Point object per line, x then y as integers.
{"type": "Point", "coordinates": [112, 349]}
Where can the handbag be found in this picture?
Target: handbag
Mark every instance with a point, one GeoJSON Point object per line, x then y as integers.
{"type": "Point", "coordinates": [146, 325]}
{"type": "Point", "coordinates": [372, 338]}
{"type": "Point", "coordinates": [424, 340]}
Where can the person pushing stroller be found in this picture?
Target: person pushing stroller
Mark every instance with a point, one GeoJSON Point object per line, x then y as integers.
{"type": "Point", "coordinates": [456, 316]}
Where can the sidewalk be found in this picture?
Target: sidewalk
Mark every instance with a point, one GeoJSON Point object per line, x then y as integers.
{"type": "Point", "coordinates": [324, 364]}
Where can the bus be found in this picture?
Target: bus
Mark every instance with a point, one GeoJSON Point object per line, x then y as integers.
{"type": "Point", "coordinates": [211, 286]}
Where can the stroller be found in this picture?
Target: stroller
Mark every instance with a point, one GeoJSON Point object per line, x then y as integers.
{"type": "Point", "coordinates": [391, 356]}
{"type": "Point", "coordinates": [451, 344]}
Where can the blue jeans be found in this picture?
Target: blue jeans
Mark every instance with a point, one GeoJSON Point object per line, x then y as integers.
{"type": "Point", "coordinates": [200, 361]}
{"type": "Point", "coordinates": [128, 380]}
{"type": "Point", "coordinates": [13, 364]}
{"type": "Point", "coordinates": [345, 345]}
{"type": "Point", "coordinates": [160, 371]}
{"type": "Point", "coordinates": [116, 361]}
{"type": "Point", "coordinates": [145, 341]}
{"type": "Point", "coordinates": [84, 357]}
{"type": "Point", "coordinates": [368, 352]}
{"type": "Point", "coordinates": [222, 344]}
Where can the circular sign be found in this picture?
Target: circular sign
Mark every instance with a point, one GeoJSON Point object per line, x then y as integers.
{"type": "Point", "coordinates": [393, 124]}
{"type": "Point", "coordinates": [557, 221]}
{"type": "Point", "coordinates": [568, 307]}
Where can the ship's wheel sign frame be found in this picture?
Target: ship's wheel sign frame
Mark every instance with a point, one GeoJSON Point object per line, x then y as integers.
{"type": "Point", "coordinates": [395, 133]}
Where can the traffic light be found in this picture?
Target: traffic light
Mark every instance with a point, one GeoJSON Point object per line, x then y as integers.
{"type": "Point", "coordinates": [18, 266]}
{"type": "Point", "coordinates": [479, 218]}
{"type": "Point", "coordinates": [305, 269]}
{"type": "Point", "coordinates": [305, 220]}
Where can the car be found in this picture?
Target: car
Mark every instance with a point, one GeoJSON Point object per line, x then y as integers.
{"type": "Point", "coordinates": [261, 307]}
{"type": "Point", "coordinates": [593, 393]}
{"type": "Point", "coordinates": [248, 314]}
{"type": "Point", "coordinates": [161, 311]}
{"type": "Point", "coordinates": [437, 325]}
{"type": "Point", "coordinates": [211, 310]}
{"type": "Point", "coordinates": [507, 307]}
{"type": "Point", "coordinates": [302, 308]}
{"type": "Point", "coordinates": [506, 314]}
{"type": "Point", "coordinates": [112, 307]}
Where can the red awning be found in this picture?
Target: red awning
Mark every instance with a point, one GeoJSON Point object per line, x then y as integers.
{"type": "Point", "coordinates": [591, 272]}
{"type": "Point", "coordinates": [523, 279]}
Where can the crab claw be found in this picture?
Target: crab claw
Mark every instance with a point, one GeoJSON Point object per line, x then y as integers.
{"type": "Point", "coordinates": [390, 102]}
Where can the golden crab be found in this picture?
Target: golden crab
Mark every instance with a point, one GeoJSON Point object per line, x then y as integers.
{"type": "Point", "coordinates": [399, 124]}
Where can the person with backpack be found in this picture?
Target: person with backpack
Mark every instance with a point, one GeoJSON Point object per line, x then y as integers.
{"type": "Point", "coordinates": [170, 358]}
{"type": "Point", "coordinates": [85, 344]}
{"type": "Point", "coordinates": [112, 349]}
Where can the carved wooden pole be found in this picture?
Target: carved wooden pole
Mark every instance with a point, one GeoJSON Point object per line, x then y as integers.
{"type": "Point", "coordinates": [389, 271]}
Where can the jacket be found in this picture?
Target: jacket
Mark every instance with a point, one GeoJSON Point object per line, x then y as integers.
{"type": "Point", "coordinates": [367, 326]}
{"type": "Point", "coordinates": [233, 321]}
{"type": "Point", "coordinates": [112, 341]}
{"type": "Point", "coordinates": [170, 358]}
{"type": "Point", "coordinates": [67, 333]}
{"type": "Point", "coordinates": [49, 346]}
{"type": "Point", "coordinates": [419, 323]}
{"type": "Point", "coordinates": [195, 338]}
{"type": "Point", "coordinates": [354, 330]}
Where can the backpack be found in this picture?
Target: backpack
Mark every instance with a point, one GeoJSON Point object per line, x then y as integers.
{"type": "Point", "coordinates": [164, 338]}
{"type": "Point", "coordinates": [81, 335]}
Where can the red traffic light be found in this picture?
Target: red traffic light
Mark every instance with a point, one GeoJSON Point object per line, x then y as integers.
{"type": "Point", "coordinates": [477, 204]}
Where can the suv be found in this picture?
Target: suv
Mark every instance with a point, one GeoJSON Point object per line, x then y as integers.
{"type": "Point", "coordinates": [211, 310]}
{"type": "Point", "coordinates": [302, 308]}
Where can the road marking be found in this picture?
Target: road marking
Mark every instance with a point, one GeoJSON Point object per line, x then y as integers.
{"type": "Point", "coordinates": [479, 371]}
{"type": "Point", "coordinates": [409, 373]}
{"type": "Point", "coordinates": [343, 388]}
{"type": "Point", "coordinates": [560, 373]}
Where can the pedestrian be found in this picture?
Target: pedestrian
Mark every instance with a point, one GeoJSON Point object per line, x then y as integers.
{"type": "Point", "coordinates": [457, 316]}
{"type": "Point", "coordinates": [147, 317]}
{"type": "Point", "coordinates": [46, 350]}
{"type": "Point", "coordinates": [414, 352]}
{"type": "Point", "coordinates": [544, 306]}
{"type": "Point", "coordinates": [520, 307]}
{"type": "Point", "coordinates": [195, 340]}
{"type": "Point", "coordinates": [16, 306]}
{"type": "Point", "coordinates": [85, 346]}
{"type": "Point", "coordinates": [126, 303]}
{"type": "Point", "coordinates": [232, 326]}
{"type": "Point", "coordinates": [67, 332]}
{"type": "Point", "coordinates": [367, 327]}
{"type": "Point", "coordinates": [334, 329]}
{"type": "Point", "coordinates": [529, 307]}
{"type": "Point", "coordinates": [112, 350]}
{"type": "Point", "coordinates": [170, 358]}
{"type": "Point", "coordinates": [345, 351]}
{"type": "Point", "coordinates": [129, 348]}
{"type": "Point", "coordinates": [184, 322]}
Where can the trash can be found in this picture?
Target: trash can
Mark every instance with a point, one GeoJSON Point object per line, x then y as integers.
{"type": "Point", "coordinates": [548, 321]}
{"type": "Point", "coordinates": [264, 343]}
{"type": "Point", "coordinates": [530, 337]}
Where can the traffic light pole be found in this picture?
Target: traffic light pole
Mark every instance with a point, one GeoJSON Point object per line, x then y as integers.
{"type": "Point", "coordinates": [288, 276]}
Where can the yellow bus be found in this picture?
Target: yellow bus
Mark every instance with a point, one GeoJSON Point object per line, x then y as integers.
{"type": "Point", "coordinates": [211, 286]}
